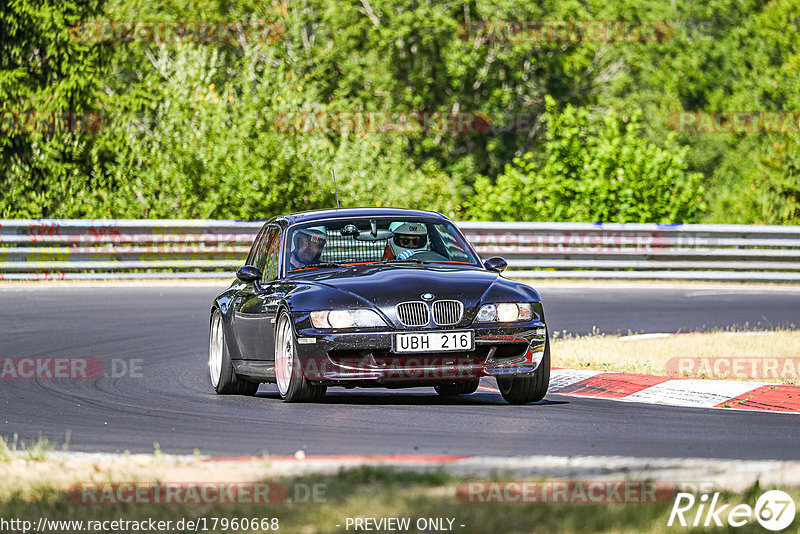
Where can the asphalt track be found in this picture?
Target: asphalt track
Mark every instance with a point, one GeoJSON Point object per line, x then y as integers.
{"type": "Point", "coordinates": [164, 330]}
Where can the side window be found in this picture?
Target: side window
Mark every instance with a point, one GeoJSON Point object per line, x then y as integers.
{"type": "Point", "coordinates": [251, 258]}
{"type": "Point", "coordinates": [261, 253]}
{"type": "Point", "coordinates": [272, 254]}
{"type": "Point", "coordinates": [267, 243]}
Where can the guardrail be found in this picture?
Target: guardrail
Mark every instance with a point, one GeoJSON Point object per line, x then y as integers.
{"type": "Point", "coordinates": [114, 249]}
{"type": "Point", "coordinates": [642, 251]}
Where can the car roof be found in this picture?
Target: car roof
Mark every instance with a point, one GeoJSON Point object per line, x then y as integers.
{"type": "Point", "coordinates": [310, 216]}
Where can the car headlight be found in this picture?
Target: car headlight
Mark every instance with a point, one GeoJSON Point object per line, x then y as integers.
{"type": "Point", "coordinates": [504, 312]}
{"type": "Point", "coordinates": [345, 319]}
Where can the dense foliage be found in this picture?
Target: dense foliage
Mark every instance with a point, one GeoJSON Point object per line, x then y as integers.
{"type": "Point", "coordinates": [593, 169]}
{"type": "Point", "coordinates": [569, 130]}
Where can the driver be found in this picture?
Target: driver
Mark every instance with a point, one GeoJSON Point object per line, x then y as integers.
{"type": "Point", "coordinates": [409, 239]}
{"type": "Point", "coordinates": [307, 249]}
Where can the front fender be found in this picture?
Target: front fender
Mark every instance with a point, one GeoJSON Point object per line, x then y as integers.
{"type": "Point", "coordinates": [224, 301]}
{"type": "Point", "coordinates": [504, 290]}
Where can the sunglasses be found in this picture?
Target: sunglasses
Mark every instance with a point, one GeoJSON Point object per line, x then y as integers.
{"type": "Point", "coordinates": [408, 241]}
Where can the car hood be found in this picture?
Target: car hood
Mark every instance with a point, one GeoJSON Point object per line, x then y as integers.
{"type": "Point", "coordinates": [384, 286]}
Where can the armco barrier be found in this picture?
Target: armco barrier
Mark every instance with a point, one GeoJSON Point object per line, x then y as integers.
{"type": "Point", "coordinates": [642, 251]}
{"type": "Point", "coordinates": [115, 249]}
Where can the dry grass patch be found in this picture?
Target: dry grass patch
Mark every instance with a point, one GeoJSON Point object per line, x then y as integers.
{"type": "Point", "coordinates": [760, 356]}
{"type": "Point", "coordinates": [13, 449]}
{"type": "Point", "coordinates": [371, 493]}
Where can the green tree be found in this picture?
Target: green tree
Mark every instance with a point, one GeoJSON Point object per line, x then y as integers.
{"type": "Point", "coordinates": [188, 131]}
{"type": "Point", "coordinates": [593, 168]}
{"type": "Point", "coordinates": [43, 70]}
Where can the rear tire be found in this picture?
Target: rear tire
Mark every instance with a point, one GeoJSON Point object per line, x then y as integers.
{"type": "Point", "coordinates": [292, 385]}
{"type": "Point", "coordinates": [525, 389]}
{"type": "Point", "coordinates": [223, 377]}
{"type": "Point", "coordinates": [462, 387]}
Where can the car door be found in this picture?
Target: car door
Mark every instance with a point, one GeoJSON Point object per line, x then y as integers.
{"type": "Point", "coordinates": [250, 307]}
{"type": "Point", "coordinates": [272, 294]}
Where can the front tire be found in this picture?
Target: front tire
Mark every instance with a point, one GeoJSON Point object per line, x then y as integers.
{"type": "Point", "coordinates": [292, 385]}
{"type": "Point", "coordinates": [223, 377]}
{"type": "Point", "coordinates": [462, 387]}
{"type": "Point", "coordinates": [525, 389]}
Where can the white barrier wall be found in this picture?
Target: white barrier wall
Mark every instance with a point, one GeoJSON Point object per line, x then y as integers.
{"type": "Point", "coordinates": [120, 248]}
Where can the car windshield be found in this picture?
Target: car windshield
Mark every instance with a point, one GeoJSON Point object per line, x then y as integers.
{"type": "Point", "coordinates": [376, 239]}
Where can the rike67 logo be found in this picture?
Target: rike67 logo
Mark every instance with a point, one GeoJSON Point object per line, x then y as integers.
{"type": "Point", "coordinates": [774, 511]}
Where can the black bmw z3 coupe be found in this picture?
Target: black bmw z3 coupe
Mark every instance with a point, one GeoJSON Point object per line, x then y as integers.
{"type": "Point", "coordinates": [370, 297]}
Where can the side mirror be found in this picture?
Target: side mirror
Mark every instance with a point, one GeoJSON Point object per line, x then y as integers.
{"type": "Point", "coordinates": [496, 264]}
{"type": "Point", "coordinates": [249, 274]}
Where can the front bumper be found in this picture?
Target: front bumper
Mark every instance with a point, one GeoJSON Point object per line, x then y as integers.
{"type": "Point", "coordinates": [366, 357]}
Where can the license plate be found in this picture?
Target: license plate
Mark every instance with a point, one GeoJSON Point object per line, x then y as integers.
{"type": "Point", "coordinates": [434, 341]}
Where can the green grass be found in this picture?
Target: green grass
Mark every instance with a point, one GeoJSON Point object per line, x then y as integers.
{"type": "Point", "coordinates": [8, 452]}
{"type": "Point", "coordinates": [36, 451]}
{"type": "Point", "coordinates": [380, 493]}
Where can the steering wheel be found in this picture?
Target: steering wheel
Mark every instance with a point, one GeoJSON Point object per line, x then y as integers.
{"type": "Point", "coordinates": [428, 255]}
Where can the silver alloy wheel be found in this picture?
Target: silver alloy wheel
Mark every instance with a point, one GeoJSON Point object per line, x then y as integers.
{"type": "Point", "coordinates": [284, 356]}
{"type": "Point", "coordinates": [215, 350]}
